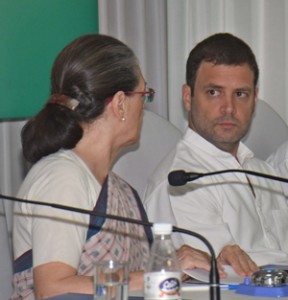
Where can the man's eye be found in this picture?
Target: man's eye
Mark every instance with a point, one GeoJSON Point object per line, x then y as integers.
{"type": "Point", "coordinates": [241, 94]}
{"type": "Point", "coordinates": [213, 92]}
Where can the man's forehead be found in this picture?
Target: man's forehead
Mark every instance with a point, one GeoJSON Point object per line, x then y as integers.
{"type": "Point", "coordinates": [220, 72]}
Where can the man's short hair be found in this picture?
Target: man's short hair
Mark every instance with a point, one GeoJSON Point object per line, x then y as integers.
{"type": "Point", "coordinates": [220, 49]}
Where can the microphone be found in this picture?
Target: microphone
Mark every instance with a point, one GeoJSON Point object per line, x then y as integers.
{"type": "Point", "coordinates": [214, 281]}
{"type": "Point", "coordinates": [180, 177]}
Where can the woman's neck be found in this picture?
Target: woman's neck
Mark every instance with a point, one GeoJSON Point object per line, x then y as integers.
{"type": "Point", "coordinates": [98, 152]}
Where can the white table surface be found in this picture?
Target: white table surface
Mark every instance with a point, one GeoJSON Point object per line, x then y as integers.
{"type": "Point", "coordinates": [224, 294]}
{"type": "Point", "coordinates": [191, 295]}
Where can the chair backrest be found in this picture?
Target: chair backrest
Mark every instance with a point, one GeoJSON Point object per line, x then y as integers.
{"type": "Point", "coordinates": [267, 132]}
{"type": "Point", "coordinates": [137, 163]}
{"type": "Point", "coordinates": [5, 257]}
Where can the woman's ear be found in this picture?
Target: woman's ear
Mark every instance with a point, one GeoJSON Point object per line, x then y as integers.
{"type": "Point", "coordinates": [118, 105]}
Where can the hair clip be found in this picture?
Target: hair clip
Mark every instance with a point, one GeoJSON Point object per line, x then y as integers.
{"type": "Point", "coordinates": [72, 103]}
{"type": "Point", "coordinates": [64, 100]}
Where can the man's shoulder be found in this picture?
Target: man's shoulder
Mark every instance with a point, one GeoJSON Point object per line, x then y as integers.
{"type": "Point", "coordinates": [163, 168]}
{"type": "Point", "coordinates": [176, 159]}
{"type": "Point", "coordinates": [260, 165]}
{"type": "Point", "coordinates": [279, 156]}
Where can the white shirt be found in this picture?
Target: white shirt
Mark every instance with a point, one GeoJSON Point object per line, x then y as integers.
{"type": "Point", "coordinates": [222, 208]}
{"type": "Point", "coordinates": [279, 160]}
{"type": "Point", "coordinates": [50, 181]}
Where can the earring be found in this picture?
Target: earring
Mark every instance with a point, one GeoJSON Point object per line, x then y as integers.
{"type": "Point", "coordinates": [123, 119]}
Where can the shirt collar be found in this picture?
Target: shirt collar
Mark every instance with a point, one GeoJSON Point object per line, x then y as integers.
{"type": "Point", "coordinates": [194, 139]}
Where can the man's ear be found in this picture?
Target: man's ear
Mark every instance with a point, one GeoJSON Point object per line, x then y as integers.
{"type": "Point", "coordinates": [255, 98]}
{"type": "Point", "coordinates": [256, 94]}
{"type": "Point", "coordinates": [186, 97]}
{"type": "Point", "coordinates": [118, 105]}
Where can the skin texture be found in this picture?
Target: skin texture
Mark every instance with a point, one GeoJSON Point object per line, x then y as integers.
{"type": "Point", "coordinates": [223, 103]}
{"type": "Point", "coordinates": [242, 264]}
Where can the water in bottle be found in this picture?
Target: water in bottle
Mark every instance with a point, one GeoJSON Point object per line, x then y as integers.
{"type": "Point", "coordinates": [162, 277]}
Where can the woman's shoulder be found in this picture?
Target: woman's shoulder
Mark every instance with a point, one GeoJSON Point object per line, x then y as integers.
{"type": "Point", "coordinates": [60, 175]}
{"type": "Point", "coordinates": [62, 167]}
{"type": "Point", "coordinates": [63, 161]}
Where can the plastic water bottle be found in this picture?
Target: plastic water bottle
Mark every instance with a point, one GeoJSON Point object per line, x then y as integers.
{"type": "Point", "coordinates": [162, 277]}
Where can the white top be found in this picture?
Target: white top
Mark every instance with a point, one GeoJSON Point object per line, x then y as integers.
{"type": "Point", "coordinates": [56, 170]}
{"type": "Point", "coordinates": [222, 208]}
{"type": "Point", "coordinates": [279, 160]}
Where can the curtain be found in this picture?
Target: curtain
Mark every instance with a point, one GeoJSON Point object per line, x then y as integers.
{"type": "Point", "coordinates": [141, 25]}
{"type": "Point", "coordinates": [163, 32]}
{"type": "Point", "coordinates": [12, 165]}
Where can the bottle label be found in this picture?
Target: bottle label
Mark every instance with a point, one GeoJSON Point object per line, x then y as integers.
{"type": "Point", "coordinates": [165, 285]}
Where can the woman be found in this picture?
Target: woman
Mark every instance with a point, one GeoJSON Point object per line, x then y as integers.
{"type": "Point", "coordinates": [95, 109]}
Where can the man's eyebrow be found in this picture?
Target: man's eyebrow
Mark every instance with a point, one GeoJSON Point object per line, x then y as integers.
{"type": "Point", "coordinates": [217, 86]}
{"type": "Point", "coordinates": [245, 88]}
{"type": "Point", "coordinates": [212, 85]}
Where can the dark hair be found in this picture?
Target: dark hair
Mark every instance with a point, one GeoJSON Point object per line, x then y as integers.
{"type": "Point", "coordinates": [220, 48]}
{"type": "Point", "coordinates": [90, 69]}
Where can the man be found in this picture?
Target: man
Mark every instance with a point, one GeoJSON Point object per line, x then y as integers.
{"type": "Point", "coordinates": [237, 213]}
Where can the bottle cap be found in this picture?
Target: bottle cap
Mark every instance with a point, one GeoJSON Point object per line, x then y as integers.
{"type": "Point", "coordinates": [162, 228]}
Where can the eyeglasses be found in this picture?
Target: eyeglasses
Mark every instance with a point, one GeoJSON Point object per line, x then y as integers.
{"type": "Point", "coordinates": [149, 94]}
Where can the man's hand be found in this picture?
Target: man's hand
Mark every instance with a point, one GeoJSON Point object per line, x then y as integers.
{"type": "Point", "coordinates": [239, 260]}
{"type": "Point", "coordinates": [190, 258]}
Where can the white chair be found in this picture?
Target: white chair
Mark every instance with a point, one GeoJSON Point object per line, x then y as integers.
{"type": "Point", "coordinates": [267, 132]}
{"type": "Point", "coordinates": [5, 257]}
{"type": "Point", "coordinates": [136, 164]}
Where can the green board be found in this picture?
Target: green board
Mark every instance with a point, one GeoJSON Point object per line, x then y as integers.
{"type": "Point", "coordinates": [32, 33]}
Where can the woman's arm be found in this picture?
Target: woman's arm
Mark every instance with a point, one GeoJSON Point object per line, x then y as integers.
{"type": "Point", "coordinates": [136, 281]}
{"type": "Point", "coordinates": [57, 278]}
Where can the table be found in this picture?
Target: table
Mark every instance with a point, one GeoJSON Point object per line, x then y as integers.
{"type": "Point", "coordinates": [189, 295]}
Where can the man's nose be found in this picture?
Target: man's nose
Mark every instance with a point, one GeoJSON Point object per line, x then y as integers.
{"type": "Point", "coordinates": [228, 106]}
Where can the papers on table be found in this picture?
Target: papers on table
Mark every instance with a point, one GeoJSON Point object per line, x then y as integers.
{"type": "Point", "coordinates": [203, 275]}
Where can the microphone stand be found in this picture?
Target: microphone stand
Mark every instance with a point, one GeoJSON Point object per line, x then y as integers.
{"type": "Point", "coordinates": [214, 281]}
{"type": "Point", "coordinates": [258, 174]}
{"type": "Point", "coordinates": [180, 177]}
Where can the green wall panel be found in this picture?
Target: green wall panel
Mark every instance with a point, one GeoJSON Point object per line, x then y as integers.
{"type": "Point", "coordinates": [32, 33]}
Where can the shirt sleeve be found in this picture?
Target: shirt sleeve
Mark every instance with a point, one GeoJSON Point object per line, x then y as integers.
{"type": "Point", "coordinates": [200, 212]}
{"type": "Point", "coordinates": [279, 161]}
{"type": "Point", "coordinates": [158, 208]}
